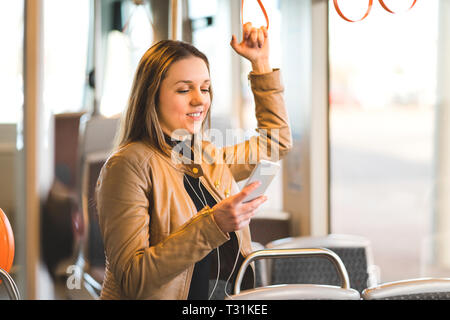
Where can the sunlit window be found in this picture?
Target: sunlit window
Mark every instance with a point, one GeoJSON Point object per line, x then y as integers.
{"type": "Point", "coordinates": [11, 53]}
{"type": "Point", "coordinates": [210, 34]}
{"type": "Point", "coordinates": [383, 75]}
{"type": "Point", "coordinates": [124, 50]}
{"type": "Point", "coordinates": [66, 34]}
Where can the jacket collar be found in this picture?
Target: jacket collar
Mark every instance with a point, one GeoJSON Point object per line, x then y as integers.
{"type": "Point", "coordinates": [184, 156]}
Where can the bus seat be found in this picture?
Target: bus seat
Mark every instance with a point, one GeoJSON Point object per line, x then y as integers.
{"type": "Point", "coordinates": [296, 291]}
{"type": "Point", "coordinates": [67, 126]}
{"type": "Point", "coordinates": [97, 134]}
{"type": "Point", "coordinates": [412, 289]}
{"type": "Point", "coordinates": [92, 257]}
{"type": "Point", "coordinates": [354, 251]}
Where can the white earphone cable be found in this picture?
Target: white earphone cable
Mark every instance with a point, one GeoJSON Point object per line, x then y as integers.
{"type": "Point", "coordinates": [218, 253]}
{"type": "Point", "coordinates": [218, 273]}
{"type": "Point", "coordinates": [234, 267]}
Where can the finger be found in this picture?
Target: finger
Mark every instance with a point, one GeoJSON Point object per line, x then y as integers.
{"type": "Point", "coordinates": [239, 197]}
{"type": "Point", "coordinates": [247, 30]}
{"type": "Point", "coordinates": [246, 220]}
{"type": "Point", "coordinates": [254, 37]}
{"type": "Point", "coordinates": [243, 224]}
{"type": "Point", "coordinates": [265, 32]}
{"type": "Point", "coordinates": [254, 204]}
{"type": "Point", "coordinates": [233, 42]}
{"type": "Point", "coordinates": [251, 41]}
{"type": "Point", "coordinates": [260, 38]}
{"type": "Point", "coordinates": [248, 216]}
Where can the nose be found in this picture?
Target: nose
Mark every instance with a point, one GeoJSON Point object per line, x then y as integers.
{"type": "Point", "coordinates": [198, 97]}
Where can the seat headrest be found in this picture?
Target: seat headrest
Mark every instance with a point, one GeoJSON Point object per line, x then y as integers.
{"type": "Point", "coordinates": [298, 292]}
{"type": "Point", "coordinates": [411, 287]}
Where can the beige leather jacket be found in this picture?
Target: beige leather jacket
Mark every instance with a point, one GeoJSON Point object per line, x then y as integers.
{"type": "Point", "coordinates": [152, 232]}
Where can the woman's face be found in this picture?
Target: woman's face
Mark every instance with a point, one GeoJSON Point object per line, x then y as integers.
{"type": "Point", "coordinates": [184, 97]}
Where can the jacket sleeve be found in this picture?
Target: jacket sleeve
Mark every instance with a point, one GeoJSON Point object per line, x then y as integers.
{"type": "Point", "coordinates": [123, 194]}
{"type": "Point", "coordinates": [274, 139]}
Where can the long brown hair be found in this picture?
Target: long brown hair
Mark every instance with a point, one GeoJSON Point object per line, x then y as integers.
{"type": "Point", "coordinates": [140, 121]}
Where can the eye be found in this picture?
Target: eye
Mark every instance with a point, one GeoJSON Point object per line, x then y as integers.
{"type": "Point", "coordinates": [183, 91]}
{"type": "Point", "coordinates": [205, 90]}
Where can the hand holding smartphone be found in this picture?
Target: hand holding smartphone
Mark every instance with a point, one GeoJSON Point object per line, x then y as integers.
{"type": "Point", "coordinates": [264, 172]}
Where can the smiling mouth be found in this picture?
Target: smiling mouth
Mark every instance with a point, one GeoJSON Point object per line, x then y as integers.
{"type": "Point", "coordinates": [195, 114]}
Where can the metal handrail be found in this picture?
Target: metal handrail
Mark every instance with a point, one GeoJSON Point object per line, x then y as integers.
{"type": "Point", "coordinates": [10, 285]}
{"type": "Point", "coordinates": [293, 253]}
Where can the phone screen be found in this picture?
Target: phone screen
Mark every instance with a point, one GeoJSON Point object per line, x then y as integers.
{"type": "Point", "coordinates": [264, 172]}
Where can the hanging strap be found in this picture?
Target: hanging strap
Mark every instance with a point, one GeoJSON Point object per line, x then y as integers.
{"type": "Point", "coordinates": [263, 9]}
{"type": "Point", "coordinates": [336, 6]}
{"type": "Point", "coordinates": [389, 10]}
{"type": "Point", "coordinates": [385, 7]}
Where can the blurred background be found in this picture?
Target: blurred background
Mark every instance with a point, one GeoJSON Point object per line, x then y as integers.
{"type": "Point", "coordinates": [368, 104]}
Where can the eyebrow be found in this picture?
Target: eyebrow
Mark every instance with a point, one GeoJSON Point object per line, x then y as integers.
{"type": "Point", "coordinates": [190, 82]}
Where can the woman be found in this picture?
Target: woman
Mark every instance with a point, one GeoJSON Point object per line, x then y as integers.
{"type": "Point", "coordinates": [168, 226]}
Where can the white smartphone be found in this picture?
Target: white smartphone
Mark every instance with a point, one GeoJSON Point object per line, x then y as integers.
{"type": "Point", "coordinates": [264, 172]}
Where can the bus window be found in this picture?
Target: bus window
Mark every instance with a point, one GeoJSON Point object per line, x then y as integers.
{"type": "Point", "coordinates": [124, 48]}
{"type": "Point", "coordinates": [66, 30]}
{"type": "Point", "coordinates": [382, 106]}
{"type": "Point", "coordinates": [11, 65]}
